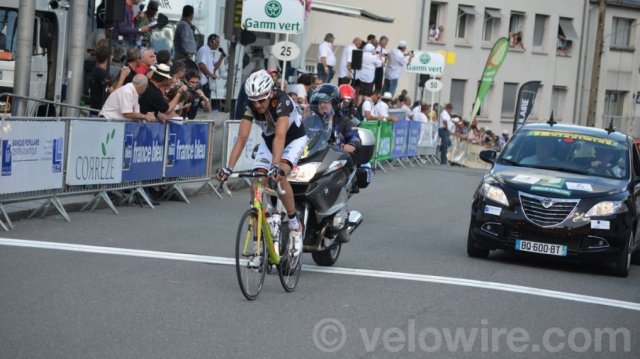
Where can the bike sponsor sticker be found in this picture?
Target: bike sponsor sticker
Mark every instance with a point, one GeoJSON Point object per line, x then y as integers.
{"type": "Point", "coordinates": [563, 192]}
{"type": "Point", "coordinates": [526, 179]}
{"type": "Point", "coordinates": [600, 225]}
{"type": "Point", "coordinates": [552, 182]}
{"type": "Point", "coordinates": [579, 186]}
{"type": "Point", "coordinates": [492, 210]}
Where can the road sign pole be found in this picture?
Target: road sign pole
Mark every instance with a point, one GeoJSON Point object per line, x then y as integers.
{"type": "Point", "coordinates": [284, 68]}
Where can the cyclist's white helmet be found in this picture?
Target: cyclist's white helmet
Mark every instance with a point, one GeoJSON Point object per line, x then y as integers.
{"type": "Point", "coordinates": [259, 83]}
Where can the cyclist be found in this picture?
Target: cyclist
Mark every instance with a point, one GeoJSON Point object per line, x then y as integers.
{"type": "Point", "coordinates": [282, 143]}
{"type": "Point", "coordinates": [348, 109]}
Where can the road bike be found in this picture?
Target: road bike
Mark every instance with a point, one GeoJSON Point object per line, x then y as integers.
{"type": "Point", "coordinates": [255, 250]}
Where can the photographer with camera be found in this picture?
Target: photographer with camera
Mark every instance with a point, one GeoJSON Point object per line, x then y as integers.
{"type": "Point", "coordinates": [197, 97]}
{"type": "Point", "coordinates": [397, 61]}
{"type": "Point", "coordinates": [207, 63]}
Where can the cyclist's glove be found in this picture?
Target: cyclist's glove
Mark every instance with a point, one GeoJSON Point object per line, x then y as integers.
{"type": "Point", "coordinates": [275, 170]}
{"type": "Point", "coordinates": [225, 172]}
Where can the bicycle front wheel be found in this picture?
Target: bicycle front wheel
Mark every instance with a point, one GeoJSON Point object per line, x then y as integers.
{"type": "Point", "coordinates": [251, 256]}
{"type": "Point", "coordinates": [289, 268]}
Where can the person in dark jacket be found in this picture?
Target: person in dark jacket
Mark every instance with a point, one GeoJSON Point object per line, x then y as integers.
{"type": "Point", "coordinates": [126, 29]}
{"type": "Point", "coordinates": [325, 103]}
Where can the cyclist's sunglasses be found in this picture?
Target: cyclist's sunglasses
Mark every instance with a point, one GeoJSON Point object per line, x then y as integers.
{"type": "Point", "coordinates": [260, 100]}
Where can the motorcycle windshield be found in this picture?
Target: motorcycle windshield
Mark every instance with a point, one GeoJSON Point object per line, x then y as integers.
{"type": "Point", "coordinates": [318, 134]}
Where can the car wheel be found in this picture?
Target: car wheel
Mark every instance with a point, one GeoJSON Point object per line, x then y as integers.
{"type": "Point", "coordinates": [474, 252]}
{"type": "Point", "coordinates": [624, 262]}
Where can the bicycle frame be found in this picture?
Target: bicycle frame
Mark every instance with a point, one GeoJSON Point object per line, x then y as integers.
{"type": "Point", "coordinates": [263, 226]}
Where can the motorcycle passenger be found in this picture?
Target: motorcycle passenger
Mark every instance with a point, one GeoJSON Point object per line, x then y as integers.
{"type": "Point", "coordinates": [282, 143]}
{"type": "Point", "coordinates": [325, 102]}
{"type": "Point", "coordinates": [347, 108]}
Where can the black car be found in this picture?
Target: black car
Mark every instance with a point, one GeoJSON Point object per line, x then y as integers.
{"type": "Point", "coordinates": [560, 190]}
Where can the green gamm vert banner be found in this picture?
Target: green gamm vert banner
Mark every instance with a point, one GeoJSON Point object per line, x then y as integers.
{"type": "Point", "coordinates": [496, 58]}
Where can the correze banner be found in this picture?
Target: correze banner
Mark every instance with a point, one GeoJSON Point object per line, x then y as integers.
{"type": "Point", "coordinates": [496, 58]}
{"type": "Point", "coordinates": [524, 105]}
{"type": "Point", "coordinates": [32, 156]}
{"type": "Point", "coordinates": [95, 153]}
{"type": "Point", "coordinates": [187, 150]}
{"type": "Point", "coordinates": [143, 151]}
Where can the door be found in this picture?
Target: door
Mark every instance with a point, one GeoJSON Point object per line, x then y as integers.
{"type": "Point", "coordinates": [38, 78]}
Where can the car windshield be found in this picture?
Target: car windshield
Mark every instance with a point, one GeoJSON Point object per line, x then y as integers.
{"type": "Point", "coordinates": [318, 134]}
{"type": "Point", "coordinates": [568, 152]}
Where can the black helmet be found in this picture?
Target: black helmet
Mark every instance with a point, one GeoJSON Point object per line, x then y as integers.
{"type": "Point", "coordinates": [326, 93]}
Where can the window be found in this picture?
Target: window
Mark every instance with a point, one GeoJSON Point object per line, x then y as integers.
{"type": "Point", "coordinates": [621, 34]}
{"type": "Point", "coordinates": [457, 95]}
{"type": "Point", "coordinates": [492, 18]}
{"type": "Point", "coordinates": [516, 22]}
{"type": "Point", "coordinates": [509, 99]}
{"type": "Point", "coordinates": [8, 30]}
{"type": "Point", "coordinates": [540, 32]}
{"type": "Point", "coordinates": [436, 20]}
{"type": "Point", "coordinates": [614, 103]}
{"type": "Point", "coordinates": [567, 35]}
{"type": "Point", "coordinates": [464, 28]}
{"type": "Point", "coordinates": [558, 97]}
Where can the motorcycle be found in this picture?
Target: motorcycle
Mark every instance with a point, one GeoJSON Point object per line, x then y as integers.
{"type": "Point", "coordinates": [323, 181]}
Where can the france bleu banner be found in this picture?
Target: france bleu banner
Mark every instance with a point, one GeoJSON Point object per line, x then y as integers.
{"type": "Point", "coordinates": [414, 136]}
{"type": "Point", "coordinates": [400, 132]}
{"type": "Point", "coordinates": [187, 150]}
{"type": "Point", "coordinates": [143, 151]}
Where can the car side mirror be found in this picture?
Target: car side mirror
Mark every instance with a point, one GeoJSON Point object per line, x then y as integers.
{"type": "Point", "coordinates": [489, 156]}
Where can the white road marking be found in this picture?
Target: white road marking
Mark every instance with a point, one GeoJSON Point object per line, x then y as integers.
{"type": "Point", "coordinates": [331, 270]}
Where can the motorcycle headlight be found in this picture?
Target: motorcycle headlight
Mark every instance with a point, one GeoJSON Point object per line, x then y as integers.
{"type": "Point", "coordinates": [606, 208]}
{"type": "Point", "coordinates": [304, 173]}
{"type": "Point", "coordinates": [494, 193]}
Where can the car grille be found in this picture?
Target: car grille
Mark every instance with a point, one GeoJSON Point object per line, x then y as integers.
{"type": "Point", "coordinates": [555, 214]}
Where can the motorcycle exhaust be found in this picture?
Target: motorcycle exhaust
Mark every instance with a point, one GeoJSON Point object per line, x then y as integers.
{"type": "Point", "coordinates": [318, 245]}
{"type": "Point", "coordinates": [355, 218]}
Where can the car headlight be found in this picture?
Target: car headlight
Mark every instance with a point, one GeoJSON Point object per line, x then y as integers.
{"type": "Point", "coordinates": [304, 173]}
{"type": "Point", "coordinates": [494, 193]}
{"type": "Point", "coordinates": [606, 208]}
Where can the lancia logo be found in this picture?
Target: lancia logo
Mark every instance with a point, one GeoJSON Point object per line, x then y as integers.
{"type": "Point", "coordinates": [547, 202]}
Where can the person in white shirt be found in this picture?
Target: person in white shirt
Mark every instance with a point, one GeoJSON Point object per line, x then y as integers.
{"type": "Point", "coordinates": [326, 59]}
{"type": "Point", "coordinates": [302, 87]}
{"type": "Point", "coordinates": [422, 115]}
{"type": "Point", "coordinates": [369, 110]}
{"type": "Point", "coordinates": [397, 61]}
{"type": "Point", "coordinates": [402, 104]}
{"type": "Point", "coordinates": [443, 132]}
{"type": "Point", "coordinates": [123, 102]}
{"type": "Point", "coordinates": [207, 64]}
{"type": "Point", "coordinates": [381, 49]}
{"type": "Point", "coordinates": [344, 69]}
{"type": "Point", "coordinates": [367, 74]}
{"type": "Point", "coordinates": [382, 107]}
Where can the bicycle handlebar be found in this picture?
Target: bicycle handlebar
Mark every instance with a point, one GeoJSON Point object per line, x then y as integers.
{"type": "Point", "coordinates": [256, 174]}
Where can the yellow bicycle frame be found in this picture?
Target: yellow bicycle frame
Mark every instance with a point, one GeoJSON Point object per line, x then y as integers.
{"type": "Point", "coordinates": [274, 255]}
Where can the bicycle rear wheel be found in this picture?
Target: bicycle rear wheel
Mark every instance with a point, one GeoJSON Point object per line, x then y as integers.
{"type": "Point", "coordinates": [289, 268]}
{"type": "Point", "coordinates": [250, 267]}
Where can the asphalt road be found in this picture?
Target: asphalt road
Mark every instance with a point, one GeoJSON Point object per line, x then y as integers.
{"type": "Point", "coordinates": [81, 303]}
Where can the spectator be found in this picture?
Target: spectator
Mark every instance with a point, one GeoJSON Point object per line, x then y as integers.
{"type": "Point", "coordinates": [147, 60]}
{"type": "Point", "coordinates": [152, 100]}
{"type": "Point", "coordinates": [367, 74]}
{"type": "Point", "coordinates": [123, 102]}
{"type": "Point", "coordinates": [402, 104]}
{"type": "Point", "coordinates": [125, 28]}
{"type": "Point", "coordinates": [562, 45]}
{"type": "Point", "coordinates": [516, 39]}
{"type": "Point", "coordinates": [422, 115]}
{"type": "Point", "coordinates": [443, 132]}
{"type": "Point", "coordinates": [345, 74]}
{"type": "Point", "coordinates": [384, 54]}
{"type": "Point", "coordinates": [177, 73]}
{"type": "Point", "coordinates": [382, 108]}
{"type": "Point", "coordinates": [433, 32]}
{"type": "Point", "coordinates": [133, 61]}
{"type": "Point", "coordinates": [184, 42]}
{"type": "Point", "coordinates": [317, 81]}
{"type": "Point", "coordinates": [439, 34]}
{"type": "Point", "coordinates": [207, 63]}
{"type": "Point", "coordinates": [371, 39]}
{"type": "Point", "coordinates": [163, 57]}
{"type": "Point", "coordinates": [504, 139]}
{"type": "Point", "coordinates": [326, 59]}
{"type": "Point", "coordinates": [369, 109]}
{"type": "Point", "coordinates": [99, 82]}
{"type": "Point", "coordinates": [146, 19]}
{"type": "Point", "coordinates": [302, 87]}
{"type": "Point", "coordinates": [274, 75]}
{"type": "Point", "coordinates": [473, 135]}
{"type": "Point", "coordinates": [294, 96]}
{"type": "Point", "coordinates": [197, 97]}
{"type": "Point", "coordinates": [95, 39]}
{"type": "Point", "coordinates": [397, 61]}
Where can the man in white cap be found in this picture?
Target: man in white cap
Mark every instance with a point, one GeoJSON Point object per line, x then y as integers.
{"type": "Point", "coordinates": [504, 138]}
{"type": "Point", "coordinates": [367, 74]}
{"type": "Point", "coordinates": [397, 61]}
{"type": "Point", "coordinates": [382, 107]}
{"type": "Point", "coordinates": [152, 100]}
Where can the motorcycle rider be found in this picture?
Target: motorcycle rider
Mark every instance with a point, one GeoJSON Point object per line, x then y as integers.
{"type": "Point", "coordinates": [347, 108]}
{"type": "Point", "coordinates": [282, 143]}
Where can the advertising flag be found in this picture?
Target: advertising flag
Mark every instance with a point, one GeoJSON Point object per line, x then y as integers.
{"type": "Point", "coordinates": [496, 58]}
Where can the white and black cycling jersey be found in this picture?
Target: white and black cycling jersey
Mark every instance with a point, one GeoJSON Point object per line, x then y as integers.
{"type": "Point", "coordinates": [281, 105]}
